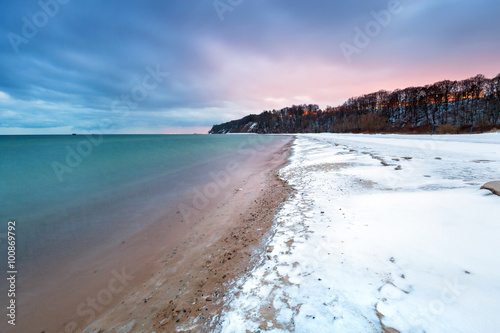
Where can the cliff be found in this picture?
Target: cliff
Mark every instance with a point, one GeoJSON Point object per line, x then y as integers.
{"type": "Point", "coordinates": [443, 107]}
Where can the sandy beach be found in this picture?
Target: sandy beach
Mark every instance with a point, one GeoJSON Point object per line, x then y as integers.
{"type": "Point", "coordinates": [235, 195]}
{"type": "Point", "coordinates": [328, 232]}
{"type": "Point", "coordinates": [184, 288]}
{"type": "Point", "coordinates": [235, 166]}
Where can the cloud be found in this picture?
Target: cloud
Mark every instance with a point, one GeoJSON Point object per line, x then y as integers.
{"type": "Point", "coordinates": [35, 131]}
{"type": "Point", "coordinates": [8, 114]}
{"type": "Point", "coordinates": [265, 54]}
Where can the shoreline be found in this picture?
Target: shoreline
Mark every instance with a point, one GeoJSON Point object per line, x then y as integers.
{"type": "Point", "coordinates": [383, 234]}
{"type": "Point", "coordinates": [184, 291]}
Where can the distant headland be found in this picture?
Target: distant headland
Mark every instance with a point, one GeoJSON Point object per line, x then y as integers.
{"type": "Point", "coordinates": [445, 107]}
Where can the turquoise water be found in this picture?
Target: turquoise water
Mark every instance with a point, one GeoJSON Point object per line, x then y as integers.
{"type": "Point", "coordinates": [71, 192]}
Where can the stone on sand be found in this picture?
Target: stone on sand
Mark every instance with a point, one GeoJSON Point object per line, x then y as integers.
{"type": "Point", "coordinates": [492, 186]}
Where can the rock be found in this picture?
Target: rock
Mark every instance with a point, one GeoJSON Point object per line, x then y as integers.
{"type": "Point", "coordinates": [407, 157]}
{"type": "Point", "coordinates": [438, 158]}
{"type": "Point", "coordinates": [493, 186]}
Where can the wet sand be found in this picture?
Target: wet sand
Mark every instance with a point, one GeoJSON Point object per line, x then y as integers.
{"type": "Point", "coordinates": [65, 299]}
{"type": "Point", "coordinates": [184, 291]}
{"type": "Point", "coordinates": [172, 274]}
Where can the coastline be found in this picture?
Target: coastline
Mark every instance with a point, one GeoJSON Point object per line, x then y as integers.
{"type": "Point", "coordinates": [384, 233]}
{"type": "Point", "coordinates": [183, 290]}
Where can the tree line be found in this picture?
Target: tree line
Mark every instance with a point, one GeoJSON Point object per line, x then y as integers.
{"type": "Point", "coordinates": [443, 107]}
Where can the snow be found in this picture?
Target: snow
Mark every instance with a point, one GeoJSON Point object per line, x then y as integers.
{"type": "Point", "coordinates": [360, 246]}
{"type": "Point", "coordinates": [252, 127]}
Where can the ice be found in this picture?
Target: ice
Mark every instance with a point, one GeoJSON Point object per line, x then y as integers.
{"type": "Point", "coordinates": [360, 246]}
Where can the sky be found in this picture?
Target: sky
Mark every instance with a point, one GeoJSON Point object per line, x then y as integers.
{"type": "Point", "coordinates": [152, 66]}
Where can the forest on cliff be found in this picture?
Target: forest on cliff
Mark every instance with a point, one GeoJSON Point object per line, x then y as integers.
{"type": "Point", "coordinates": [470, 105]}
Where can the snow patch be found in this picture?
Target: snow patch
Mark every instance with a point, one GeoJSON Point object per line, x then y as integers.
{"type": "Point", "coordinates": [361, 245]}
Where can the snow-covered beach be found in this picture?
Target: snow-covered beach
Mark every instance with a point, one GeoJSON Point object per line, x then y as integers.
{"type": "Point", "coordinates": [381, 233]}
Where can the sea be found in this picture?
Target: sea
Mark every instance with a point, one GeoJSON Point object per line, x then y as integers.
{"type": "Point", "coordinates": [71, 193]}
